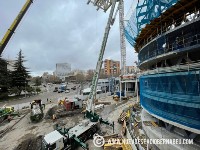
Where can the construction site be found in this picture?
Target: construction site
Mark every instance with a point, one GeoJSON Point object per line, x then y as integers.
{"type": "Point", "coordinates": [157, 106]}
{"type": "Point", "coordinates": [30, 134]}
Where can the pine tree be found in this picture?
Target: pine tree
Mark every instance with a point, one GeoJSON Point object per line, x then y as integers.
{"type": "Point", "coordinates": [4, 79]}
{"type": "Point", "coordinates": [20, 74]}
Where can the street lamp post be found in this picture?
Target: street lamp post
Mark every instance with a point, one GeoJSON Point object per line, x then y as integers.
{"type": "Point", "coordinates": [25, 88]}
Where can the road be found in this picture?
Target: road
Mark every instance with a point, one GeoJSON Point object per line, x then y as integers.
{"type": "Point", "coordinates": [53, 96]}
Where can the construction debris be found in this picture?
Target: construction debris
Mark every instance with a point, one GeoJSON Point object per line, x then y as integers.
{"type": "Point", "coordinates": [124, 116]}
{"type": "Point", "coordinates": [105, 103]}
{"type": "Point", "coordinates": [51, 112]}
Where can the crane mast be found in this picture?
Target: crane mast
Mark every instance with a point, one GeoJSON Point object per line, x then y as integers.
{"type": "Point", "coordinates": [14, 25]}
{"type": "Point", "coordinates": [122, 37]}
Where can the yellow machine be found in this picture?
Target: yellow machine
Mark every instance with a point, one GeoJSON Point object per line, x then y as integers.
{"type": "Point", "coordinates": [6, 112]}
{"type": "Point", "coordinates": [14, 25]}
{"type": "Point", "coordinates": [61, 102]}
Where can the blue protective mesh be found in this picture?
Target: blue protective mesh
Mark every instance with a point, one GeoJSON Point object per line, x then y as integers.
{"type": "Point", "coordinates": [173, 96]}
{"type": "Point", "coordinates": [145, 11]}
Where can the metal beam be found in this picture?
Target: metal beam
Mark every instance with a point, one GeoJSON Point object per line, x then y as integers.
{"type": "Point", "coordinates": [102, 4]}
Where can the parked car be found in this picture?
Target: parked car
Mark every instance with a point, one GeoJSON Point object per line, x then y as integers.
{"type": "Point", "coordinates": [56, 89]}
{"type": "Point", "coordinates": [67, 91]}
{"type": "Point", "coordinates": [73, 88]}
{"type": "Point", "coordinates": [60, 90]}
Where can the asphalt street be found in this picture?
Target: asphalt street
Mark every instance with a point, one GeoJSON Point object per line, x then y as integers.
{"type": "Point", "coordinates": [48, 93]}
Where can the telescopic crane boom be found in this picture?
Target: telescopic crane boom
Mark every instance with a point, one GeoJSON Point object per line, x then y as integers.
{"type": "Point", "coordinates": [90, 105]}
{"type": "Point", "coordinates": [14, 25]}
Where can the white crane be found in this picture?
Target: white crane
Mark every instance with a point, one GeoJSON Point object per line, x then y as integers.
{"type": "Point", "coordinates": [105, 4]}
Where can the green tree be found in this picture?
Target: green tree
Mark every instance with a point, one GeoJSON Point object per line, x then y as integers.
{"type": "Point", "coordinates": [37, 81]}
{"type": "Point", "coordinates": [38, 90]}
{"type": "Point", "coordinates": [20, 74]}
{"type": "Point", "coordinates": [4, 79]}
{"type": "Point", "coordinates": [80, 77]}
{"type": "Point", "coordinates": [14, 90]}
{"type": "Point", "coordinates": [29, 90]}
{"type": "Point", "coordinates": [89, 75]}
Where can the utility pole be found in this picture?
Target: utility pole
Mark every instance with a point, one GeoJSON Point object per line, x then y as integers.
{"type": "Point", "coordinates": [25, 89]}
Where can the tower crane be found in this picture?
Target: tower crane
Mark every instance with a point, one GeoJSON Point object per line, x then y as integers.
{"type": "Point", "coordinates": [105, 4]}
{"type": "Point", "coordinates": [122, 37]}
{"type": "Point", "coordinates": [14, 25]}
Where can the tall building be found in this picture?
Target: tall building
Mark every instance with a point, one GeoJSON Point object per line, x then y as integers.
{"type": "Point", "coordinates": [111, 67]}
{"type": "Point", "coordinates": [169, 55]}
{"type": "Point", "coordinates": [62, 70]}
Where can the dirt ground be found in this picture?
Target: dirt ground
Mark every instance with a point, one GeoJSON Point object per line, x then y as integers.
{"type": "Point", "coordinates": [26, 135]}
{"type": "Point", "coordinates": [110, 113]}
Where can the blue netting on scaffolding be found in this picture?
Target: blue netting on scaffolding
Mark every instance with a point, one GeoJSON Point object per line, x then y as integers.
{"type": "Point", "coordinates": [131, 27]}
{"type": "Point", "coordinates": [145, 11]}
{"type": "Point", "coordinates": [173, 96]}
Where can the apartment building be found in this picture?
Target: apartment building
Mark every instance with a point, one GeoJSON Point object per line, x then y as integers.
{"type": "Point", "coordinates": [111, 67]}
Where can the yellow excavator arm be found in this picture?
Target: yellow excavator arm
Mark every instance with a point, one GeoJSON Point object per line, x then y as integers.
{"type": "Point", "coordinates": [14, 25]}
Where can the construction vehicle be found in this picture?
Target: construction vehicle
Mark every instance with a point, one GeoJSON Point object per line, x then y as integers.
{"type": "Point", "coordinates": [37, 110]}
{"type": "Point", "coordinates": [63, 138]}
{"type": "Point", "coordinates": [71, 104]}
{"type": "Point", "coordinates": [14, 25]}
{"type": "Point", "coordinates": [62, 88]}
{"type": "Point", "coordinates": [6, 113]}
{"type": "Point", "coordinates": [124, 116]}
{"type": "Point", "coordinates": [56, 89]}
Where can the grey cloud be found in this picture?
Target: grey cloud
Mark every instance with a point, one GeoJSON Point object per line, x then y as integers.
{"type": "Point", "coordinates": [60, 31]}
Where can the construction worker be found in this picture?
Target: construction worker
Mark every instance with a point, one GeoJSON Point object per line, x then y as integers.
{"type": "Point", "coordinates": [54, 117]}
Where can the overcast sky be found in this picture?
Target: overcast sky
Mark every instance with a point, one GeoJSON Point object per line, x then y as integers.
{"type": "Point", "coordinates": [59, 31]}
